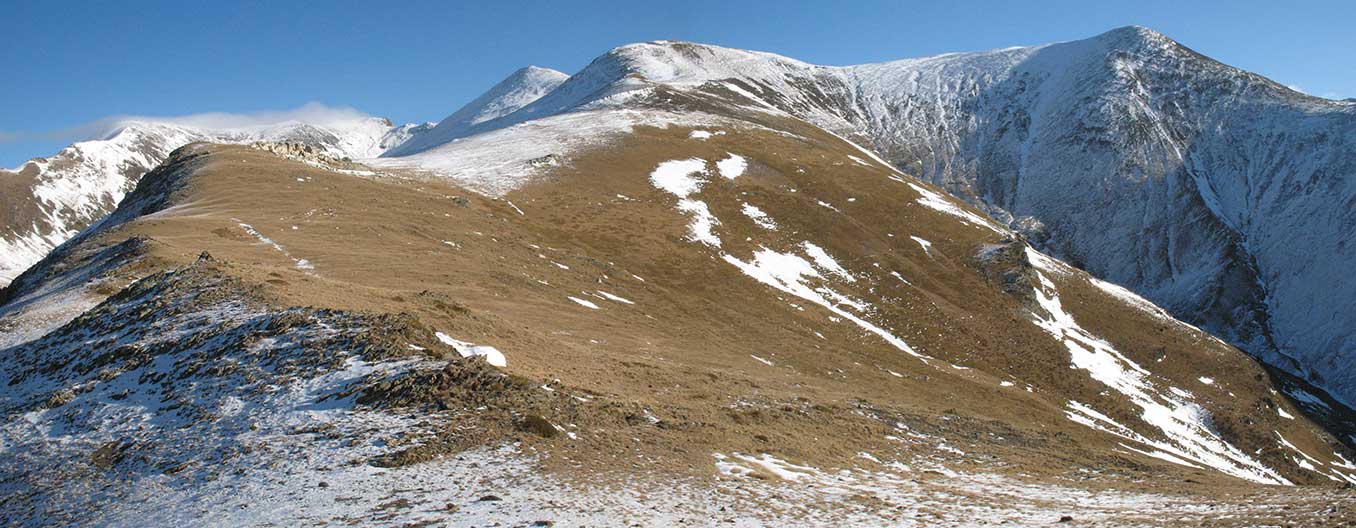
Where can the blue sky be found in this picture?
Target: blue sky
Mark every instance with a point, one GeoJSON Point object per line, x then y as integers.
{"type": "Point", "coordinates": [69, 64]}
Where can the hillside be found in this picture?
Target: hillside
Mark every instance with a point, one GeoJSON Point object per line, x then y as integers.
{"type": "Point", "coordinates": [1214, 192]}
{"type": "Point", "coordinates": [48, 200]}
{"type": "Point", "coordinates": [688, 310]}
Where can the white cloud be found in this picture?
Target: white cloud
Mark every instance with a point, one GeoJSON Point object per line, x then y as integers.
{"type": "Point", "coordinates": [313, 113]}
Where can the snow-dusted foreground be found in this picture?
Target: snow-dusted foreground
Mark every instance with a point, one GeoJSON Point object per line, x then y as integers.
{"type": "Point", "coordinates": [504, 486]}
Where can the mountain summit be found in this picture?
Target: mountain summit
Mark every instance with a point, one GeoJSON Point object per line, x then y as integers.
{"type": "Point", "coordinates": [514, 92]}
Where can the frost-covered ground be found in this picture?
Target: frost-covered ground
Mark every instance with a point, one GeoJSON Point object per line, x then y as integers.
{"type": "Point", "coordinates": [183, 376]}
{"type": "Point", "coordinates": [505, 486]}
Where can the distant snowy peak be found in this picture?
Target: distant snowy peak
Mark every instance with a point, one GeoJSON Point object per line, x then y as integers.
{"type": "Point", "coordinates": [514, 92]}
{"type": "Point", "coordinates": [675, 64]}
{"type": "Point", "coordinates": [362, 137]}
{"type": "Point", "coordinates": [518, 90]}
{"type": "Point", "coordinates": [688, 62]}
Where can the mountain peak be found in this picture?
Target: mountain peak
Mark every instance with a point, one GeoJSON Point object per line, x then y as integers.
{"type": "Point", "coordinates": [531, 73]}
{"type": "Point", "coordinates": [533, 69]}
{"type": "Point", "coordinates": [520, 88]}
{"type": "Point", "coordinates": [678, 61]}
{"type": "Point", "coordinates": [1135, 37]}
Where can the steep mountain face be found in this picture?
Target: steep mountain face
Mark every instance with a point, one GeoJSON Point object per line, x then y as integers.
{"type": "Point", "coordinates": [1219, 194]}
{"type": "Point", "coordinates": [48, 200]}
{"type": "Point", "coordinates": [1214, 192]}
{"type": "Point", "coordinates": [667, 288]}
{"type": "Point", "coordinates": [514, 92]}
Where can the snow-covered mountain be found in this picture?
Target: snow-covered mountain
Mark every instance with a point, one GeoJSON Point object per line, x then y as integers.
{"type": "Point", "coordinates": [748, 318]}
{"type": "Point", "coordinates": [1221, 195]}
{"type": "Point", "coordinates": [48, 200]}
{"type": "Point", "coordinates": [671, 288]}
{"type": "Point", "coordinates": [514, 92]}
{"type": "Point", "coordinates": [1214, 192]}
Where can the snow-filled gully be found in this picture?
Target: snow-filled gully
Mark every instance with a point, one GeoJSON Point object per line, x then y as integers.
{"type": "Point", "coordinates": [1190, 439]}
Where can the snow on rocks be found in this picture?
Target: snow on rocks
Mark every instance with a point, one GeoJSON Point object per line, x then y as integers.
{"type": "Point", "coordinates": [467, 350]}
{"type": "Point", "coordinates": [519, 89]}
{"type": "Point", "coordinates": [752, 491]}
{"type": "Point", "coordinates": [740, 465]}
{"type": "Point", "coordinates": [195, 381]}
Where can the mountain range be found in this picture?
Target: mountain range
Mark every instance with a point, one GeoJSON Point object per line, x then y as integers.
{"type": "Point", "coordinates": [978, 287]}
{"type": "Point", "coordinates": [1216, 193]}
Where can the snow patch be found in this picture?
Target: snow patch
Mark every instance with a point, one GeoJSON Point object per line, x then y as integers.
{"type": "Point", "coordinates": [299, 263]}
{"type": "Point", "coordinates": [678, 177]}
{"type": "Point", "coordinates": [826, 262]}
{"type": "Point", "coordinates": [492, 355]}
{"type": "Point", "coordinates": [789, 274]}
{"type": "Point", "coordinates": [583, 302]}
{"type": "Point", "coordinates": [612, 297]}
{"type": "Point", "coordinates": [732, 167]}
{"type": "Point", "coordinates": [939, 203]}
{"type": "Point", "coordinates": [760, 218]}
{"type": "Point", "coordinates": [927, 246]}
